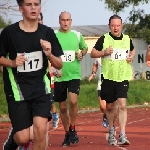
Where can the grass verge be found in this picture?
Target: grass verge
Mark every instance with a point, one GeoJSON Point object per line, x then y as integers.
{"type": "Point", "coordinates": [138, 94]}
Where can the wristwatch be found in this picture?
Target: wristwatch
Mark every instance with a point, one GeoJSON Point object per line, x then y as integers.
{"type": "Point", "coordinates": [93, 72]}
{"type": "Point", "coordinates": [56, 72]}
{"type": "Point", "coordinates": [82, 54]}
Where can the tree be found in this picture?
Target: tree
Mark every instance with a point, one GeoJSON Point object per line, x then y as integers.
{"type": "Point", "coordinates": [138, 23]}
{"type": "Point", "coordinates": [117, 6]}
{"type": "Point", "coordinates": [7, 7]}
{"type": "Point", "coordinates": [3, 23]}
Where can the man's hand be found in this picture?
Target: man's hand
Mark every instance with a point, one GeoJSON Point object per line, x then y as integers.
{"type": "Point", "coordinates": [108, 51]}
{"type": "Point", "coordinates": [147, 58]}
{"type": "Point", "coordinates": [79, 56]}
{"type": "Point", "coordinates": [52, 70]}
{"type": "Point", "coordinates": [19, 61]}
{"type": "Point", "coordinates": [46, 47]}
{"type": "Point", "coordinates": [92, 76]}
{"type": "Point", "coordinates": [130, 59]}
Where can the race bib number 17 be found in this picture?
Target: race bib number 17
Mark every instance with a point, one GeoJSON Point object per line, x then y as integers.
{"type": "Point", "coordinates": [34, 62]}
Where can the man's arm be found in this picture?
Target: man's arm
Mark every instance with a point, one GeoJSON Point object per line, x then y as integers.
{"type": "Point", "coordinates": [81, 54]}
{"type": "Point", "coordinates": [94, 70]}
{"type": "Point", "coordinates": [19, 61]}
{"type": "Point", "coordinates": [148, 50]}
{"type": "Point", "coordinates": [132, 53]}
{"type": "Point", "coordinates": [96, 54]}
{"type": "Point", "coordinates": [97, 49]}
{"type": "Point", "coordinates": [6, 62]}
{"type": "Point", "coordinates": [147, 57]}
{"type": "Point", "coordinates": [84, 51]}
{"type": "Point", "coordinates": [57, 73]}
{"type": "Point", "coordinates": [131, 56]}
{"type": "Point", "coordinates": [54, 71]}
{"type": "Point", "coordinates": [53, 50]}
{"type": "Point", "coordinates": [55, 61]}
{"type": "Point", "coordinates": [4, 40]}
{"type": "Point", "coordinates": [82, 45]}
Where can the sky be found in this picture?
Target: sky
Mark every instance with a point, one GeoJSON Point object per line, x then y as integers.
{"type": "Point", "coordinates": [83, 12]}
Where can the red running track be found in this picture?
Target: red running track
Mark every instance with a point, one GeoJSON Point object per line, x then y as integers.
{"type": "Point", "coordinates": [93, 136]}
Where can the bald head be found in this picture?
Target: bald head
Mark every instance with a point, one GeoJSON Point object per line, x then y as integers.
{"type": "Point", "coordinates": [65, 13]}
{"type": "Point", "coordinates": [65, 21]}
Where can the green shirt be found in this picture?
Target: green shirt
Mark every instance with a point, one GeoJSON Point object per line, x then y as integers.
{"type": "Point", "coordinates": [71, 42]}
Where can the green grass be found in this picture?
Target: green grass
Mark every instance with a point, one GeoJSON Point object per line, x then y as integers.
{"type": "Point", "coordinates": [88, 96]}
{"type": "Point", "coordinates": [137, 95]}
{"type": "Point", "coordinates": [139, 92]}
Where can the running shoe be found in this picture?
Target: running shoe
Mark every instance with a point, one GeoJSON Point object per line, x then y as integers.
{"type": "Point", "coordinates": [25, 147]}
{"type": "Point", "coordinates": [55, 121]}
{"type": "Point", "coordinates": [105, 123]}
{"type": "Point", "coordinates": [73, 136]}
{"type": "Point", "coordinates": [123, 140]}
{"type": "Point", "coordinates": [10, 143]}
{"type": "Point", "coordinates": [66, 141]}
{"type": "Point", "coordinates": [111, 137]}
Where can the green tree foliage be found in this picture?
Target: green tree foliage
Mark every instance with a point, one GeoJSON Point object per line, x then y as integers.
{"type": "Point", "coordinates": [138, 23]}
{"type": "Point", "coordinates": [3, 23]}
{"type": "Point", "coordinates": [117, 6]}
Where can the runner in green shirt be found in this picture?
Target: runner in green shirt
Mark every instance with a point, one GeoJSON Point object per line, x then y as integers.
{"type": "Point", "coordinates": [74, 48]}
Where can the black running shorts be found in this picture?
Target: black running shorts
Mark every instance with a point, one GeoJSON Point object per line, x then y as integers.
{"type": "Point", "coordinates": [62, 88]}
{"type": "Point", "coordinates": [21, 113]}
{"type": "Point", "coordinates": [112, 90]}
{"type": "Point", "coordinates": [99, 93]}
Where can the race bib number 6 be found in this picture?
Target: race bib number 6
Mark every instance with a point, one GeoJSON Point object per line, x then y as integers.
{"type": "Point", "coordinates": [119, 54]}
{"type": "Point", "coordinates": [34, 62]}
{"type": "Point", "coordinates": [68, 56]}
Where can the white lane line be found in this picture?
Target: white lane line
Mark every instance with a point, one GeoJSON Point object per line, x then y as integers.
{"type": "Point", "coordinates": [121, 147]}
{"type": "Point", "coordinates": [138, 121]}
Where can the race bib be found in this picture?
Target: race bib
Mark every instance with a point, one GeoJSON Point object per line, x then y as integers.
{"type": "Point", "coordinates": [119, 54]}
{"type": "Point", "coordinates": [34, 62]}
{"type": "Point", "coordinates": [68, 56]}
